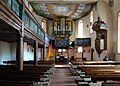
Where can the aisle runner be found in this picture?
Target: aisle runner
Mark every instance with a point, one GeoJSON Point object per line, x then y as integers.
{"type": "Point", "coordinates": [62, 77]}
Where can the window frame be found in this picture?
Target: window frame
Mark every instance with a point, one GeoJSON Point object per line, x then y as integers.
{"type": "Point", "coordinates": [91, 21]}
{"type": "Point", "coordinates": [118, 36]}
{"type": "Point", "coordinates": [80, 31]}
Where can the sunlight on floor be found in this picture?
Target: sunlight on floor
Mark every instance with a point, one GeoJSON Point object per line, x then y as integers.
{"type": "Point", "coordinates": [67, 65]}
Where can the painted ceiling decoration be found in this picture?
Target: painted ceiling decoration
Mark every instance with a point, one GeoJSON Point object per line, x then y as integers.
{"type": "Point", "coordinates": [71, 10]}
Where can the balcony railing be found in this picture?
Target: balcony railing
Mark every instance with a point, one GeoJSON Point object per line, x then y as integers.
{"type": "Point", "coordinates": [47, 39]}
{"type": "Point", "coordinates": [83, 41]}
{"type": "Point", "coordinates": [15, 6]}
{"type": "Point", "coordinates": [32, 24]}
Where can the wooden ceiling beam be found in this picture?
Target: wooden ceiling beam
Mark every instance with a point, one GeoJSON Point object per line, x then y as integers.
{"type": "Point", "coordinates": [8, 39]}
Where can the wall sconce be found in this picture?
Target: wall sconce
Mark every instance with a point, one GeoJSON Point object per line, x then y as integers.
{"type": "Point", "coordinates": [63, 50]}
{"type": "Point", "coordinates": [59, 50]}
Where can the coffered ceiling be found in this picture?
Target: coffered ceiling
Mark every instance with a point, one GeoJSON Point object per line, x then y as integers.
{"type": "Point", "coordinates": [51, 9]}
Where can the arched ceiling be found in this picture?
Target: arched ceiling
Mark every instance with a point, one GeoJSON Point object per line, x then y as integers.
{"type": "Point", "coordinates": [62, 8]}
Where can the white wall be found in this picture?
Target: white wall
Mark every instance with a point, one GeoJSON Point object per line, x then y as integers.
{"type": "Point", "coordinates": [13, 51]}
{"type": "Point", "coordinates": [28, 52]}
{"type": "Point", "coordinates": [103, 11]}
{"type": "Point", "coordinates": [115, 9]}
{"type": "Point", "coordinates": [86, 25]}
{"type": "Point", "coordinates": [39, 54]}
{"type": "Point", "coordinates": [105, 14]}
{"type": "Point", "coordinates": [71, 52]}
{"type": "Point", "coordinates": [8, 51]}
{"type": "Point", "coordinates": [5, 53]}
{"type": "Point", "coordinates": [87, 53]}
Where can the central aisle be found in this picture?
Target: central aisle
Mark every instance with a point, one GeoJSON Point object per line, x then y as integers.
{"type": "Point", "coordinates": [62, 77]}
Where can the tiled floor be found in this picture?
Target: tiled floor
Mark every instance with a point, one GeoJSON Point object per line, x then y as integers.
{"type": "Point", "coordinates": [62, 77]}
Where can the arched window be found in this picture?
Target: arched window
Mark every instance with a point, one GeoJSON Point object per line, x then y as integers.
{"type": "Point", "coordinates": [80, 29]}
{"type": "Point", "coordinates": [44, 25]}
{"type": "Point", "coordinates": [118, 32]}
{"type": "Point", "coordinates": [80, 49]}
{"type": "Point", "coordinates": [91, 21]}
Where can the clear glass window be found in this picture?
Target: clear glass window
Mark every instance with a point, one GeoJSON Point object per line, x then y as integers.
{"type": "Point", "coordinates": [80, 29]}
{"type": "Point", "coordinates": [91, 21]}
{"type": "Point", "coordinates": [118, 32]}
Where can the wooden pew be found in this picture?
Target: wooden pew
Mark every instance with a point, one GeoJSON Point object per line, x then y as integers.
{"type": "Point", "coordinates": [24, 76]}
{"type": "Point", "coordinates": [29, 73]}
{"type": "Point", "coordinates": [90, 70]}
{"type": "Point", "coordinates": [15, 83]}
{"type": "Point", "coordinates": [103, 73]}
{"type": "Point", "coordinates": [96, 62]}
{"type": "Point", "coordinates": [74, 64]}
{"type": "Point", "coordinates": [9, 67]}
{"type": "Point", "coordinates": [111, 84]}
{"type": "Point", "coordinates": [100, 71]}
{"type": "Point", "coordinates": [106, 77]}
{"type": "Point", "coordinates": [42, 64]}
{"type": "Point", "coordinates": [31, 62]}
{"type": "Point", "coordinates": [27, 70]}
{"type": "Point", "coordinates": [20, 75]}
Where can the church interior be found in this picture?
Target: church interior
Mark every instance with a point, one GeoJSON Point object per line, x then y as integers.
{"type": "Point", "coordinates": [59, 43]}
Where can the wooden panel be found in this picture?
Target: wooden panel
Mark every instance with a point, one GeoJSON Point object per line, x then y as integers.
{"type": "Point", "coordinates": [62, 43]}
{"type": "Point", "coordinates": [7, 32]}
{"type": "Point", "coordinates": [83, 42]}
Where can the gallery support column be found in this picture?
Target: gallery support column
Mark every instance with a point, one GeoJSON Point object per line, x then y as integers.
{"type": "Point", "coordinates": [20, 44]}
{"type": "Point", "coordinates": [19, 53]}
{"type": "Point", "coordinates": [92, 50]}
{"type": "Point", "coordinates": [44, 52]}
{"type": "Point", "coordinates": [35, 52]}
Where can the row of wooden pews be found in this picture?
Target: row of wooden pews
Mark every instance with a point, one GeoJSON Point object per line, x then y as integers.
{"type": "Point", "coordinates": [30, 62]}
{"type": "Point", "coordinates": [95, 63]}
{"type": "Point", "coordinates": [98, 73]}
{"type": "Point", "coordinates": [16, 83]}
{"type": "Point", "coordinates": [30, 75]}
